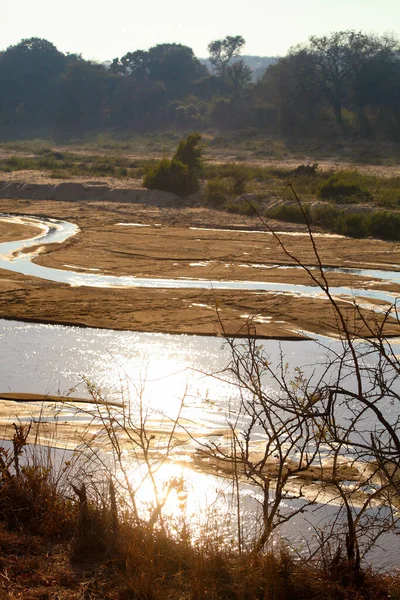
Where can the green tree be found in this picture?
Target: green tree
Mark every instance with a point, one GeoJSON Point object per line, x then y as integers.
{"type": "Point", "coordinates": [83, 95]}
{"type": "Point", "coordinates": [28, 76]}
{"type": "Point", "coordinates": [175, 65]}
{"type": "Point", "coordinates": [238, 78]}
{"type": "Point", "coordinates": [222, 51]}
{"type": "Point", "coordinates": [340, 63]}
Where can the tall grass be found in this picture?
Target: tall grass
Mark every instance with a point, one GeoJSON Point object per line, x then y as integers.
{"type": "Point", "coordinates": [143, 560]}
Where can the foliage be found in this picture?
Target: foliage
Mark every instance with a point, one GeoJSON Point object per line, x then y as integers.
{"type": "Point", "coordinates": [352, 224]}
{"type": "Point", "coordinates": [379, 224]}
{"type": "Point", "coordinates": [222, 51]}
{"type": "Point", "coordinates": [308, 170]}
{"type": "Point", "coordinates": [341, 188]}
{"type": "Point", "coordinates": [385, 225]}
{"type": "Point", "coordinates": [170, 176]}
{"type": "Point", "coordinates": [240, 206]}
{"type": "Point", "coordinates": [217, 192]}
{"type": "Point", "coordinates": [344, 84]}
{"type": "Point", "coordinates": [179, 175]}
{"type": "Point", "coordinates": [189, 153]}
{"type": "Point", "coordinates": [289, 212]}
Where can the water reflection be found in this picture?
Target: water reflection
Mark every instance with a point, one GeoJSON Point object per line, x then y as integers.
{"type": "Point", "coordinates": [154, 373]}
{"type": "Point", "coordinates": [59, 231]}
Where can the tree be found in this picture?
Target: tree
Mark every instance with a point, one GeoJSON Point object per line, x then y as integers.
{"type": "Point", "coordinates": [288, 86]}
{"type": "Point", "coordinates": [28, 75]}
{"type": "Point", "coordinates": [83, 95]}
{"type": "Point", "coordinates": [339, 62]}
{"type": "Point", "coordinates": [175, 65]}
{"type": "Point", "coordinates": [222, 51]}
{"type": "Point", "coordinates": [340, 427]}
{"type": "Point", "coordinates": [238, 77]}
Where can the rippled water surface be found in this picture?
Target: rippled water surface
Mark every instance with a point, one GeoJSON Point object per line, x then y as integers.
{"type": "Point", "coordinates": [161, 369]}
{"type": "Point", "coordinates": [53, 358]}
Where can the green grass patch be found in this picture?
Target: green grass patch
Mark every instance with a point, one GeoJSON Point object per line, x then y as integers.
{"type": "Point", "coordinates": [344, 188]}
{"type": "Point", "coordinates": [379, 224]}
{"type": "Point", "coordinates": [66, 164]}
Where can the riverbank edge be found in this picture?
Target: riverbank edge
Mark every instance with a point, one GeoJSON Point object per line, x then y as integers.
{"type": "Point", "coordinates": [74, 191]}
{"type": "Point", "coordinates": [63, 323]}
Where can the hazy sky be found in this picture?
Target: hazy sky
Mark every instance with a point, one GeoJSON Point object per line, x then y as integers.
{"type": "Point", "coordinates": [103, 30]}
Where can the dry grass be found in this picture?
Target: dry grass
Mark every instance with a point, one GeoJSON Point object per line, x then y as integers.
{"type": "Point", "coordinates": [57, 544]}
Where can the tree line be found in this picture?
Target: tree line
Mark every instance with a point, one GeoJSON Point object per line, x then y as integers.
{"type": "Point", "coordinates": [344, 84]}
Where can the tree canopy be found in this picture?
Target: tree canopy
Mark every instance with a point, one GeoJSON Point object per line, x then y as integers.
{"type": "Point", "coordinates": [346, 83]}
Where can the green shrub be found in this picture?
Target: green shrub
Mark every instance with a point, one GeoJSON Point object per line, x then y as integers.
{"type": "Point", "coordinates": [353, 224]}
{"type": "Point", "coordinates": [386, 225]}
{"type": "Point", "coordinates": [181, 174]}
{"type": "Point", "coordinates": [307, 170]}
{"type": "Point", "coordinates": [217, 192]}
{"type": "Point", "coordinates": [343, 188]}
{"type": "Point", "coordinates": [171, 176]}
{"type": "Point", "coordinates": [241, 207]}
{"type": "Point", "coordinates": [291, 213]}
{"type": "Point", "coordinates": [189, 153]}
{"type": "Point", "coordinates": [325, 215]}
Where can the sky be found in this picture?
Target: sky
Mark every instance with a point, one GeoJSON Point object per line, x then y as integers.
{"type": "Point", "coordinates": [103, 30]}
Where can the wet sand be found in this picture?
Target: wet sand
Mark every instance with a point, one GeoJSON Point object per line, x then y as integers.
{"type": "Point", "coordinates": [171, 243]}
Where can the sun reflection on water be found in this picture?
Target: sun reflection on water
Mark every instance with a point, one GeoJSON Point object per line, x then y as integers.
{"type": "Point", "coordinates": [199, 501]}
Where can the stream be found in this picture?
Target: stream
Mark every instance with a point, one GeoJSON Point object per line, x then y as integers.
{"type": "Point", "coordinates": [162, 369]}
{"type": "Point", "coordinates": [13, 259]}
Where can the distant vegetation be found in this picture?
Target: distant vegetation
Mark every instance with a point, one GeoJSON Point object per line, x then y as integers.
{"type": "Point", "coordinates": [343, 85]}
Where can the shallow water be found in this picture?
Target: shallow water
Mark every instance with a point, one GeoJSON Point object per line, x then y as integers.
{"type": "Point", "coordinates": [58, 231]}
{"type": "Point", "coordinates": [161, 369]}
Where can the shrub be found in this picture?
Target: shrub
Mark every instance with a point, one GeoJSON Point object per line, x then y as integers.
{"type": "Point", "coordinates": [170, 176]}
{"type": "Point", "coordinates": [217, 192]}
{"type": "Point", "coordinates": [189, 153]}
{"type": "Point", "coordinates": [289, 212]}
{"type": "Point", "coordinates": [308, 170]}
{"type": "Point", "coordinates": [353, 224]}
{"type": "Point", "coordinates": [343, 188]}
{"type": "Point", "coordinates": [383, 224]}
{"type": "Point", "coordinates": [325, 215]}
{"type": "Point", "coordinates": [241, 207]}
{"type": "Point", "coordinates": [181, 174]}
{"type": "Point", "coordinates": [239, 182]}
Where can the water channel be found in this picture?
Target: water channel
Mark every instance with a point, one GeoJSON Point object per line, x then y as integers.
{"type": "Point", "coordinates": [52, 359]}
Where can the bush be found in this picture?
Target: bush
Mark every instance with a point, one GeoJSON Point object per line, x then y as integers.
{"type": "Point", "coordinates": [242, 207]}
{"type": "Point", "coordinates": [385, 225]}
{"type": "Point", "coordinates": [217, 192]}
{"type": "Point", "coordinates": [181, 174]}
{"type": "Point", "coordinates": [307, 170]}
{"type": "Point", "coordinates": [343, 188]}
{"type": "Point", "coordinates": [353, 224]}
{"type": "Point", "coordinates": [325, 215]}
{"type": "Point", "coordinates": [170, 176]}
{"type": "Point", "coordinates": [289, 212]}
{"type": "Point", "coordinates": [189, 153]}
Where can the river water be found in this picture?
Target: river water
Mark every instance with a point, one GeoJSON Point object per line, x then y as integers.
{"type": "Point", "coordinates": [161, 369]}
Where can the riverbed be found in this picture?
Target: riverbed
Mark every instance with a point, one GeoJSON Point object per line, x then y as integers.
{"type": "Point", "coordinates": [192, 280]}
{"type": "Point", "coordinates": [154, 370]}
